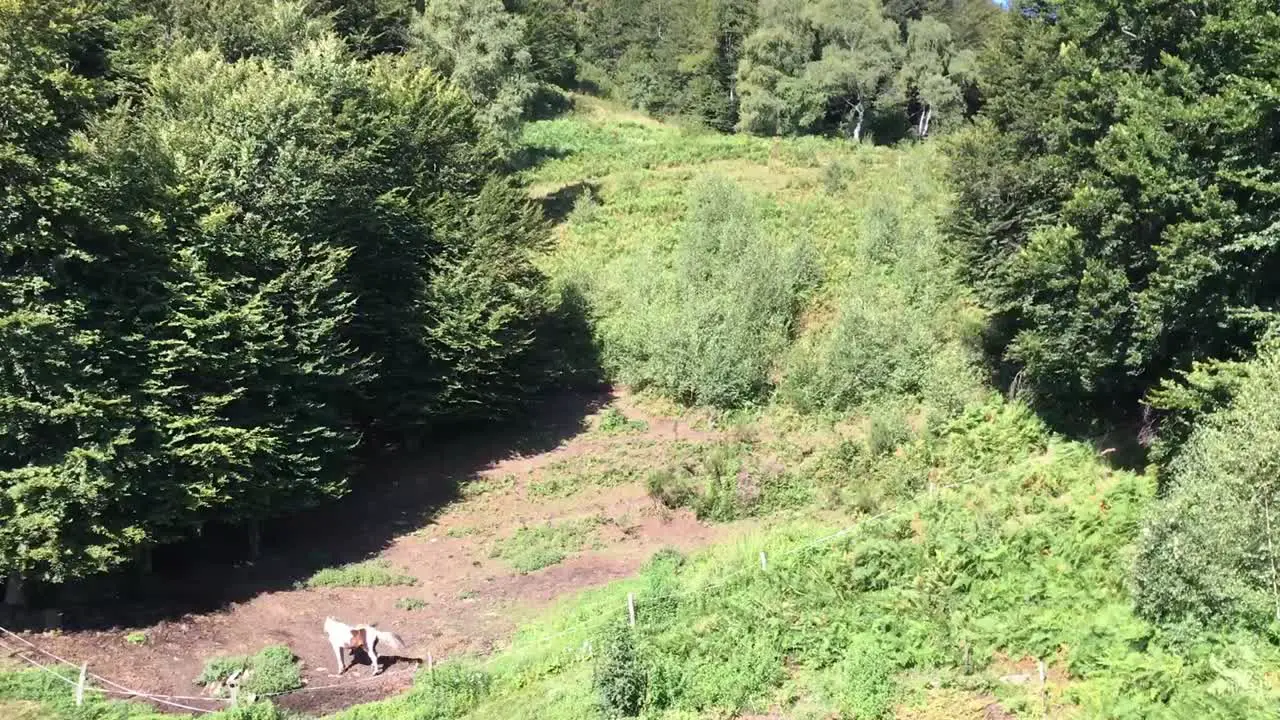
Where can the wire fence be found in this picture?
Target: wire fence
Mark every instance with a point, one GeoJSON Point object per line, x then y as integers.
{"type": "Point", "coordinates": [15, 643]}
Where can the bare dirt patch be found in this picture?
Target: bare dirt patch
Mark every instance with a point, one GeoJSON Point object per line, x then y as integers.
{"type": "Point", "coordinates": [464, 599]}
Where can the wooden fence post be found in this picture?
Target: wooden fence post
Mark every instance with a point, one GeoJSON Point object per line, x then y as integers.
{"type": "Point", "coordinates": [631, 608]}
{"type": "Point", "coordinates": [84, 670]}
{"type": "Point", "coordinates": [764, 561]}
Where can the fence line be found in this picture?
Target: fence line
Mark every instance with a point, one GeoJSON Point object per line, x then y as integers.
{"type": "Point", "coordinates": [722, 580]}
{"type": "Point", "coordinates": [22, 655]}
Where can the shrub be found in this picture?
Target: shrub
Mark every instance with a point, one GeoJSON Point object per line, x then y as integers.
{"type": "Point", "coordinates": [273, 669]}
{"type": "Point", "coordinates": [883, 345]}
{"type": "Point", "coordinates": [887, 430]}
{"type": "Point", "coordinates": [721, 482]}
{"type": "Point", "coordinates": [1209, 552]}
{"type": "Point", "coordinates": [620, 678]}
{"type": "Point", "coordinates": [672, 489]}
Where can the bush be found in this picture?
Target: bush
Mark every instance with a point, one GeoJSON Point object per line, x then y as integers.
{"type": "Point", "coordinates": [620, 678]}
{"type": "Point", "coordinates": [1209, 552]}
{"type": "Point", "coordinates": [720, 482]}
{"type": "Point", "coordinates": [888, 428]}
{"type": "Point", "coordinates": [273, 669]}
{"type": "Point", "coordinates": [711, 329]}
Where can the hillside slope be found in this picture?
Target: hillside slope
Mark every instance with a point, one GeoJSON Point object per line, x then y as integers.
{"type": "Point", "coordinates": [893, 539]}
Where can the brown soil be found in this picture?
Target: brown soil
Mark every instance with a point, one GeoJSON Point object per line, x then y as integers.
{"type": "Point", "coordinates": [473, 601]}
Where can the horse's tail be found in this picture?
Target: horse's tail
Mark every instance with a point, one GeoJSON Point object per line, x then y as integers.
{"type": "Point", "coordinates": [389, 638]}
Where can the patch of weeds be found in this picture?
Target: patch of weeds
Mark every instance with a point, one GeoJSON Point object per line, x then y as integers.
{"type": "Point", "coordinates": [410, 603]}
{"type": "Point", "coordinates": [558, 485]}
{"type": "Point", "coordinates": [535, 547]}
{"type": "Point", "coordinates": [614, 422]}
{"type": "Point", "coordinates": [565, 478]}
{"type": "Point", "coordinates": [136, 638]}
{"type": "Point", "coordinates": [461, 532]}
{"type": "Point", "coordinates": [720, 482]}
{"type": "Point", "coordinates": [450, 692]}
{"type": "Point", "coordinates": [273, 669]}
{"type": "Point", "coordinates": [370, 573]}
{"type": "Point", "coordinates": [468, 595]}
{"type": "Point", "coordinates": [833, 177]}
{"type": "Point", "coordinates": [888, 429]}
{"type": "Point", "coordinates": [478, 486]}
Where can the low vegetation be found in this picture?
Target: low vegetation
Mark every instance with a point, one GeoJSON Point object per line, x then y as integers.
{"type": "Point", "coordinates": [410, 603]}
{"type": "Point", "coordinates": [274, 669]}
{"type": "Point", "coordinates": [369, 573]}
{"type": "Point", "coordinates": [534, 547]}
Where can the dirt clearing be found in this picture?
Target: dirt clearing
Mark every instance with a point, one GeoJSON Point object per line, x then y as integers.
{"type": "Point", "coordinates": [583, 467]}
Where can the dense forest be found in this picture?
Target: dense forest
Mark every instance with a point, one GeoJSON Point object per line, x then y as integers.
{"type": "Point", "coordinates": [250, 243]}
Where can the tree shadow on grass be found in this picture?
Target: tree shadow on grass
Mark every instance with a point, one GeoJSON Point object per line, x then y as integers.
{"type": "Point", "coordinates": [557, 206]}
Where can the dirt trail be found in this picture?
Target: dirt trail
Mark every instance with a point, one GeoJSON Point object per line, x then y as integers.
{"type": "Point", "coordinates": [472, 600]}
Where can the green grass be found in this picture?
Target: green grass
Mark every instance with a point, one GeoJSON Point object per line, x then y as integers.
{"type": "Point", "coordinates": [39, 695]}
{"type": "Point", "coordinates": [370, 573]}
{"type": "Point", "coordinates": [136, 638]}
{"type": "Point", "coordinates": [535, 547]}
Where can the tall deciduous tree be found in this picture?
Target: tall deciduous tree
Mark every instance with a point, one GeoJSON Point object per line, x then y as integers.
{"type": "Point", "coordinates": [815, 66]}
{"type": "Point", "coordinates": [934, 74]}
{"type": "Point", "coordinates": [481, 48]}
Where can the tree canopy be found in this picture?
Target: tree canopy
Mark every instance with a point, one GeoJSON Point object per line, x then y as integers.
{"type": "Point", "coordinates": [240, 251]}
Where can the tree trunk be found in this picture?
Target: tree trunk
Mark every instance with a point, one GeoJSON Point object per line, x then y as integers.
{"type": "Point", "coordinates": [1271, 555]}
{"type": "Point", "coordinates": [146, 563]}
{"type": "Point", "coordinates": [857, 129]}
{"type": "Point", "coordinates": [15, 591]}
{"type": "Point", "coordinates": [255, 539]}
